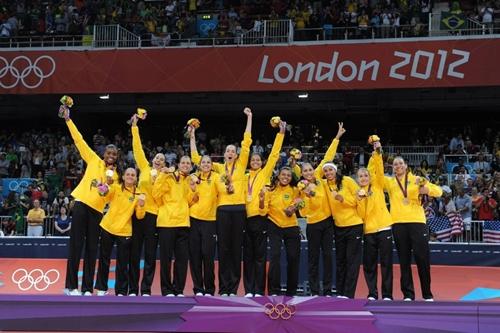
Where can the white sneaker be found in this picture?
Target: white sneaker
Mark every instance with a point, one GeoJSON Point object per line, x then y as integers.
{"type": "Point", "coordinates": [146, 295]}
{"type": "Point", "coordinates": [274, 295]}
{"type": "Point", "coordinates": [224, 295]}
{"type": "Point", "coordinates": [169, 295]}
{"type": "Point", "coordinates": [199, 294]}
{"type": "Point", "coordinates": [74, 292]}
{"type": "Point", "coordinates": [249, 295]}
{"type": "Point", "coordinates": [101, 292]}
{"type": "Point", "coordinates": [119, 295]}
{"type": "Point", "coordinates": [343, 297]}
{"type": "Point", "coordinates": [429, 299]}
{"type": "Point", "coordinates": [132, 294]}
{"type": "Point", "coordinates": [180, 295]}
{"type": "Point", "coordinates": [232, 295]}
{"type": "Point", "coordinates": [257, 295]}
{"type": "Point", "coordinates": [387, 299]}
{"type": "Point", "coordinates": [407, 300]}
{"type": "Point", "coordinates": [371, 298]}
{"type": "Point", "coordinates": [87, 293]}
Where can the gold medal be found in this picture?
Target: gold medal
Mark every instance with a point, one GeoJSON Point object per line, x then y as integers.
{"type": "Point", "coordinates": [406, 201]}
{"type": "Point", "coordinates": [249, 198]}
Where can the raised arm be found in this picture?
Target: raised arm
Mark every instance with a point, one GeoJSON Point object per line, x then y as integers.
{"type": "Point", "coordinates": [331, 151]}
{"type": "Point", "coordinates": [247, 141]}
{"type": "Point", "coordinates": [376, 168]}
{"type": "Point", "coordinates": [139, 155]}
{"type": "Point", "coordinates": [275, 151]}
{"type": "Point", "coordinates": [195, 157]}
{"type": "Point", "coordinates": [83, 148]}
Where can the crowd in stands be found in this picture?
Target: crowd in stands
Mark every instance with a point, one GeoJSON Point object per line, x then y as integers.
{"type": "Point", "coordinates": [52, 161]}
{"type": "Point", "coordinates": [159, 20]}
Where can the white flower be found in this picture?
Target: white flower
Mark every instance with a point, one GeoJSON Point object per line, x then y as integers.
{"type": "Point", "coordinates": [110, 173]}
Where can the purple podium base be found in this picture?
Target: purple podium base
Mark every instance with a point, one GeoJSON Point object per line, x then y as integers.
{"type": "Point", "coordinates": [237, 314]}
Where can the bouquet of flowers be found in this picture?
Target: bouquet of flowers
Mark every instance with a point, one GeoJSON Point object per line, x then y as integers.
{"type": "Point", "coordinates": [297, 204]}
{"type": "Point", "coordinates": [307, 187]}
{"type": "Point", "coordinates": [140, 114]}
{"type": "Point", "coordinates": [193, 123]}
{"type": "Point", "coordinates": [66, 104]}
{"type": "Point", "coordinates": [275, 121]}
{"type": "Point", "coordinates": [228, 182]}
{"type": "Point", "coordinates": [296, 154]}
{"type": "Point", "coordinates": [102, 188]}
{"type": "Point", "coordinates": [154, 173]}
{"type": "Point", "coordinates": [372, 139]}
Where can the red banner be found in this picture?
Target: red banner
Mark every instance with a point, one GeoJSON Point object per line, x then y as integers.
{"type": "Point", "coordinates": [408, 64]}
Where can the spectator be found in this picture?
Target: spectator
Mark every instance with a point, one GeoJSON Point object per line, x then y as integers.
{"type": "Point", "coordinates": [361, 158]}
{"type": "Point", "coordinates": [486, 13]}
{"type": "Point", "coordinates": [62, 223]}
{"type": "Point", "coordinates": [481, 166]}
{"type": "Point", "coordinates": [455, 142]}
{"type": "Point", "coordinates": [4, 165]}
{"type": "Point", "coordinates": [486, 206]}
{"type": "Point", "coordinates": [463, 203]}
{"type": "Point", "coordinates": [36, 217]}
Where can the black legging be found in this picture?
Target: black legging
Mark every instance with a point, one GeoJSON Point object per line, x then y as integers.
{"type": "Point", "coordinates": [144, 234]}
{"type": "Point", "coordinates": [84, 230]}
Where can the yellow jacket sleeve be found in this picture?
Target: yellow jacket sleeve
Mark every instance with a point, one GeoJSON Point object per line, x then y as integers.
{"type": "Point", "coordinates": [274, 155]}
{"type": "Point", "coordinates": [376, 170]}
{"type": "Point", "coordinates": [111, 193]}
{"type": "Point", "coordinates": [245, 151]}
{"type": "Point", "coordinates": [297, 171]}
{"type": "Point", "coordinates": [195, 157]}
{"type": "Point", "coordinates": [349, 193]}
{"type": "Point", "coordinates": [85, 151]}
{"type": "Point", "coordinates": [434, 190]}
{"type": "Point", "coordinates": [329, 155]}
{"type": "Point", "coordinates": [160, 187]}
{"type": "Point", "coordinates": [139, 156]}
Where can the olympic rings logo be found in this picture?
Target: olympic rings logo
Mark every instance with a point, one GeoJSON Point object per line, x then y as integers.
{"type": "Point", "coordinates": [20, 69]}
{"type": "Point", "coordinates": [207, 27]}
{"type": "Point", "coordinates": [279, 311]}
{"type": "Point", "coordinates": [35, 279]}
{"type": "Point", "coordinates": [17, 186]}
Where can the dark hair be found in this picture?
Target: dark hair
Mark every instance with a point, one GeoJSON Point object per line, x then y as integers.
{"type": "Point", "coordinates": [275, 179]}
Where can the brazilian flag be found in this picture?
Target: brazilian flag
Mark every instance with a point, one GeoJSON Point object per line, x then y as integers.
{"type": "Point", "coordinates": [450, 21]}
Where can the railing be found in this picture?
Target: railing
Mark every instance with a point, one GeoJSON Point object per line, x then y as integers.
{"type": "Point", "coordinates": [49, 228]}
{"type": "Point", "coordinates": [114, 36]}
{"type": "Point", "coordinates": [269, 32]}
{"type": "Point", "coordinates": [118, 37]}
{"type": "Point", "coordinates": [369, 32]}
{"type": "Point", "coordinates": [46, 41]}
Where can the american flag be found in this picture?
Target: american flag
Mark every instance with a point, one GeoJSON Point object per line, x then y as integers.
{"type": "Point", "coordinates": [445, 227]}
{"type": "Point", "coordinates": [491, 232]}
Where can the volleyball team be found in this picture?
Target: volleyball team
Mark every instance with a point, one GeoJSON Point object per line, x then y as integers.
{"type": "Point", "coordinates": [240, 207]}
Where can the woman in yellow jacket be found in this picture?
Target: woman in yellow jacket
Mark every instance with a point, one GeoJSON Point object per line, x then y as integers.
{"type": "Point", "coordinates": [144, 230]}
{"type": "Point", "coordinates": [174, 192]}
{"type": "Point", "coordinates": [281, 203]}
{"type": "Point", "coordinates": [231, 214]}
{"type": "Point", "coordinates": [410, 230]}
{"type": "Point", "coordinates": [255, 242]}
{"type": "Point", "coordinates": [319, 220]}
{"type": "Point", "coordinates": [116, 227]}
{"type": "Point", "coordinates": [348, 229]}
{"type": "Point", "coordinates": [87, 211]}
{"type": "Point", "coordinates": [377, 220]}
{"type": "Point", "coordinates": [202, 234]}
